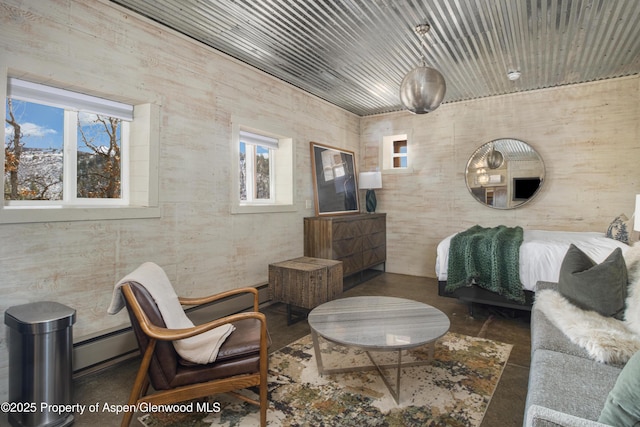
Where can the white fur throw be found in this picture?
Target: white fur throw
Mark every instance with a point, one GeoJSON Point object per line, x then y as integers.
{"type": "Point", "coordinates": [632, 311]}
{"type": "Point", "coordinates": [606, 339]}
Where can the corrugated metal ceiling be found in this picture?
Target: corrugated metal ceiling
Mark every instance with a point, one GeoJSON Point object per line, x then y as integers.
{"type": "Point", "coordinates": [355, 53]}
{"type": "Point", "coordinates": [512, 150]}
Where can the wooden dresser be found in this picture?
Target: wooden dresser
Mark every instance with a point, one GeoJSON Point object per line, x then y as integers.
{"type": "Point", "coordinates": [359, 241]}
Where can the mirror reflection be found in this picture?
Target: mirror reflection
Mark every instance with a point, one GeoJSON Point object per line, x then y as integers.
{"type": "Point", "coordinates": [505, 173]}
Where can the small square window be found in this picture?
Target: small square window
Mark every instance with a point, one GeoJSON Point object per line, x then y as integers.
{"type": "Point", "coordinates": [395, 153]}
{"type": "Point", "coordinates": [263, 170]}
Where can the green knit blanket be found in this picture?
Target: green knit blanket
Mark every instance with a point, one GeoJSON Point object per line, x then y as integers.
{"type": "Point", "coordinates": [489, 258]}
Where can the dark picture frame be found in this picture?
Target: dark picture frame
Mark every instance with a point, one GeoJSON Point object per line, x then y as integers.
{"type": "Point", "coordinates": [335, 181]}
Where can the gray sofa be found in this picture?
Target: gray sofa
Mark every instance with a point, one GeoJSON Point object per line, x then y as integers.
{"type": "Point", "coordinates": [566, 387]}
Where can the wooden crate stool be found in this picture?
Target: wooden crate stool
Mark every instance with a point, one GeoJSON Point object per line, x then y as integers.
{"type": "Point", "coordinates": [304, 283]}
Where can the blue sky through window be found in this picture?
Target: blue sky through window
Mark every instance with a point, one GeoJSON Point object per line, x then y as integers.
{"type": "Point", "coordinates": [42, 126]}
{"type": "Point", "coordinates": [259, 149]}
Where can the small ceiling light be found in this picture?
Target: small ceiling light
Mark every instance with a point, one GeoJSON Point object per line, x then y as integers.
{"type": "Point", "coordinates": [513, 75]}
{"type": "Point", "coordinates": [423, 88]}
{"type": "Point", "coordinates": [483, 178]}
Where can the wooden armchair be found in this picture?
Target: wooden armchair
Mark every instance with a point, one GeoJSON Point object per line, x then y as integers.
{"type": "Point", "coordinates": [241, 361]}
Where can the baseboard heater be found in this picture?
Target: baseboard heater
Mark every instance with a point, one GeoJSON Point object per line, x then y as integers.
{"type": "Point", "coordinates": [111, 347]}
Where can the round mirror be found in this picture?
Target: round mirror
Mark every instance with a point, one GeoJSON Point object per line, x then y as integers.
{"type": "Point", "coordinates": [505, 173]}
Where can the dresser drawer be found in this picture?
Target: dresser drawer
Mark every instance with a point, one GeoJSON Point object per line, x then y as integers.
{"type": "Point", "coordinates": [374, 240]}
{"type": "Point", "coordinates": [373, 225]}
{"type": "Point", "coordinates": [374, 256]}
{"type": "Point", "coordinates": [351, 264]}
{"type": "Point", "coordinates": [345, 230]}
{"type": "Point", "coordinates": [346, 247]}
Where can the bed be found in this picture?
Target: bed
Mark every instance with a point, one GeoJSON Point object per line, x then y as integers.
{"type": "Point", "coordinates": [540, 258]}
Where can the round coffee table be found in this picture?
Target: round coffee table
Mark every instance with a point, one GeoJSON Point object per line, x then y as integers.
{"type": "Point", "coordinates": [377, 323]}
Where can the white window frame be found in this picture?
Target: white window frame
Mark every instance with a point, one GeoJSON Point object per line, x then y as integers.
{"type": "Point", "coordinates": [282, 167]}
{"type": "Point", "coordinates": [388, 155]}
{"type": "Point", "coordinates": [140, 165]}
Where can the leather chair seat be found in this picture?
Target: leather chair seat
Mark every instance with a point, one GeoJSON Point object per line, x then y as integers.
{"type": "Point", "coordinates": [239, 354]}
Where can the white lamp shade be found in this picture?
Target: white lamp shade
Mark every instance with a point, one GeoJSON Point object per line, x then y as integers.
{"type": "Point", "coordinates": [369, 180]}
{"type": "Point", "coordinates": [636, 221]}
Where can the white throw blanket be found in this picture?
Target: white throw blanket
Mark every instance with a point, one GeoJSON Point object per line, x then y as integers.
{"type": "Point", "coordinates": [202, 348]}
{"type": "Point", "coordinates": [606, 339]}
{"type": "Point", "coordinates": [632, 311]}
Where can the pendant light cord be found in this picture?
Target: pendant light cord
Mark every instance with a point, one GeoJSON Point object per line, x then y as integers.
{"type": "Point", "coordinates": [422, 31]}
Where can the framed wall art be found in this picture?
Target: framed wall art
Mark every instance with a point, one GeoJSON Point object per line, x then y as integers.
{"type": "Point", "coordinates": [335, 184]}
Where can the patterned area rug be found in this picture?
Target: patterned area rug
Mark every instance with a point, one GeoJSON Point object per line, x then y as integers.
{"type": "Point", "coordinates": [452, 390]}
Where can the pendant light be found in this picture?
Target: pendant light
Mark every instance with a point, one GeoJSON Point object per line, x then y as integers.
{"type": "Point", "coordinates": [423, 88]}
{"type": "Point", "coordinates": [494, 158]}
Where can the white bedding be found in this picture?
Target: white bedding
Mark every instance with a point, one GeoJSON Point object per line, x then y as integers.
{"type": "Point", "coordinates": [542, 252]}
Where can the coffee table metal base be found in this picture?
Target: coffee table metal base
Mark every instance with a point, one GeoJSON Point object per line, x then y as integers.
{"type": "Point", "coordinates": [398, 365]}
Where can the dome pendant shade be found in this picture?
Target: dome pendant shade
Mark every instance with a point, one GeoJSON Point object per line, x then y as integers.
{"type": "Point", "coordinates": [422, 90]}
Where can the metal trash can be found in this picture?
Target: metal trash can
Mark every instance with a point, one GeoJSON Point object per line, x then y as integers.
{"type": "Point", "coordinates": [40, 364]}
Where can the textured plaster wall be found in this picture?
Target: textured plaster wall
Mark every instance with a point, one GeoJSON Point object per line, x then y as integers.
{"type": "Point", "coordinates": [588, 137]}
{"type": "Point", "coordinates": [95, 45]}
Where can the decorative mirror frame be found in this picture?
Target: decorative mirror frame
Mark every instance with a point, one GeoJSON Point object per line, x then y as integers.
{"type": "Point", "coordinates": [491, 174]}
{"type": "Point", "coordinates": [335, 181]}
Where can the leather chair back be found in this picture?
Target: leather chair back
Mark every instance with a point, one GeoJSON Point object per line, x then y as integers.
{"type": "Point", "coordinates": [164, 363]}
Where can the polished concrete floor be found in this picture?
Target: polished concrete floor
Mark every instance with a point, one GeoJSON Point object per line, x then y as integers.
{"type": "Point", "coordinates": [506, 409]}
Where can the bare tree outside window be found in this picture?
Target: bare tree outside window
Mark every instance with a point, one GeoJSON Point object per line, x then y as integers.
{"type": "Point", "coordinates": [243, 173]}
{"type": "Point", "coordinates": [12, 153]}
{"type": "Point", "coordinates": [98, 156]}
{"type": "Point", "coordinates": [263, 183]}
{"type": "Point", "coordinates": [255, 173]}
{"type": "Point", "coordinates": [31, 173]}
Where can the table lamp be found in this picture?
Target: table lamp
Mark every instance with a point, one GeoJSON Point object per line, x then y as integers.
{"type": "Point", "coordinates": [370, 181]}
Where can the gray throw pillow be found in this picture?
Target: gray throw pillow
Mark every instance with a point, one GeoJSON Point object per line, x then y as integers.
{"type": "Point", "coordinates": [591, 286]}
{"type": "Point", "coordinates": [622, 407]}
